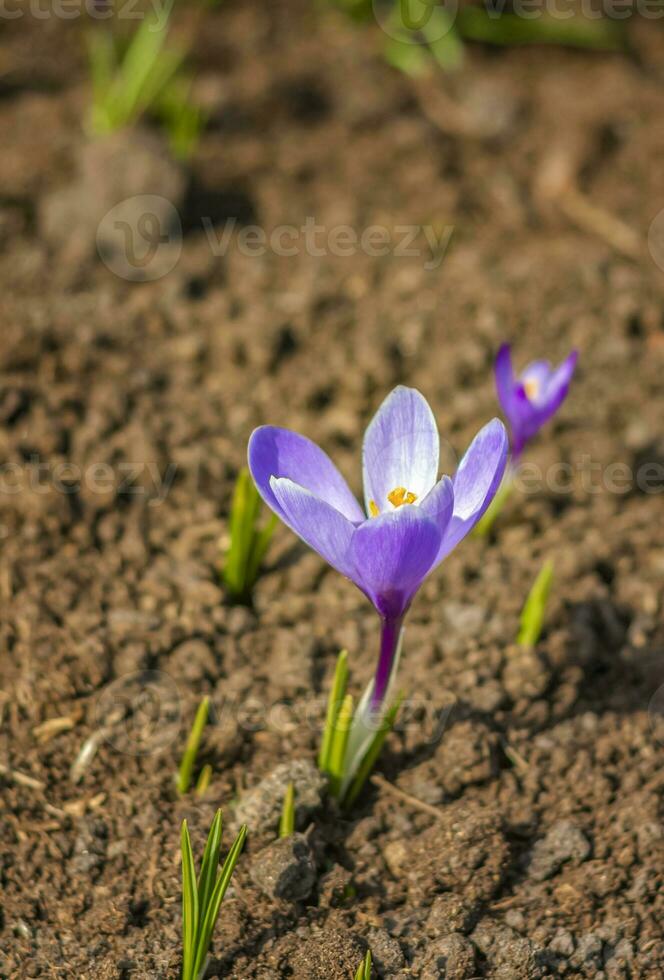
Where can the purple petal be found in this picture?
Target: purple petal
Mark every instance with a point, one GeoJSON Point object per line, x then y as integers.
{"type": "Point", "coordinates": [275, 452]}
{"type": "Point", "coordinates": [401, 448]}
{"type": "Point", "coordinates": [321, 526]}
{"type": "Point", "coordinates": [542, 406]}
{"type": "Point", "coordinates": [475, 482]}
{"type": "Point", "coordinates": [535, 379]}
{"type": "Point", "coordinates": [558, 383]}
{"type": "Point", "coordinates": [393, 554]}
{"type": "Point", "coordinates": [439, 504]}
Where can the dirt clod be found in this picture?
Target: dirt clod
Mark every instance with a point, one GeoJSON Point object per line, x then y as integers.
{"type": "Point", "coordinates": [563, 842]}
{"type": "Point", "coordinates": [450, 957]}
{"type": "Point", "coordinates": [260, 807]}
{"type": "Point", "coordinates": [285, 869]}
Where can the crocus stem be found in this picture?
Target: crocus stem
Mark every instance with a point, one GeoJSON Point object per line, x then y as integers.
{"type": "Point", "coordinates": [486, 522]}
{"type": "Point", "coordinates": [389, 644]}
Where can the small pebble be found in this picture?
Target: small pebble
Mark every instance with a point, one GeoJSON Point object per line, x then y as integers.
{"type": "Point", "coordinates": [564, 842]}
{"type": "Point", "coordinates": [285, 869]}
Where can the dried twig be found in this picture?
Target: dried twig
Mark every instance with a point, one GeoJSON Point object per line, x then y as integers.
{"type": "Point", "coordinates": [589, 217]}
{"type": "Point", "coordinates": [515, 757]}
{"type": "Point", "coordinates": [555, 186]}
{"type": "Point", "coordinates": [29, 782]}
{"type": "Point", "coordinates": [21, 779]}
{"type": "Point", "coordinates": [400, 794]}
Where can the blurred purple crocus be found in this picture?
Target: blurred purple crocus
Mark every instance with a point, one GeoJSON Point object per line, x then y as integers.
{"type": "Point", "coordinates": [530, 399]}
{"type": "Point", "coordinates": [413, 519]}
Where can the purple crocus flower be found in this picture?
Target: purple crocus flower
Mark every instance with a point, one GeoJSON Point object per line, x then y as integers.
{"type": "Point", "coordinates": [531, 399]}
{"type": "Point", "coordinates": [413, 519]}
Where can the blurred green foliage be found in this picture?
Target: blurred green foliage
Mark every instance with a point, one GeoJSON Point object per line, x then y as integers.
{"type": "Point", "coordinates": [421, 33]}
{"type": "Point", "coordinates": [143, 75]}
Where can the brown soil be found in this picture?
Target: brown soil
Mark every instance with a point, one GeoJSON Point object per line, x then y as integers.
{"type": "Point", "coordinates": [545, 857]}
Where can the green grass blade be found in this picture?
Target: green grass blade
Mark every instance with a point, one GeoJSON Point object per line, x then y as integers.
{"type": "Point", "coordinates": [210, 864]}
{"type": "Point", "coordinates": [183, 120]}
{"type": "Point", "coordinates": [147, 65]}
{"type": "Point", "coordinates": [287, 822]}
{"type": "Point", "coordinates": [337, 755]}
{"type": "Point", "coordinates": [211, 913]}
{"type": "Point", "coordinates": [534, 609]}
{"type": "Point", "coordinates": [145, 78]}
{"type": "Point", "coordinates": [487, 520]}
{"type": "Point", "coordinates": [189, 906]}
{"type": "Point", "coordinates": [139, 60]}
{"type": "Point", "coordinates": [261, 543]}
{"type": "Point", "coordinates": [374, 750]}
{"type": "Point", "coordinates": [245, 509]}
{"type": "Point", "coordinates": [232, 571]}
{"type": "Point", "coordinates": [337, 694]}
{"type": "Point", "coordinates": [191, 749]}
{"type": "Point", "coordinates": [443, 40]}
{"type": "Point", "coordinates": [203, 781]}
{"type": "Point", "coordinates": [477, 24]}
{"type": "Point", "coordinates": [410, 59]}
{"type": "Point", "coordinates": [364, 969]}
{"type": "Point", "coordinates": [103, 63]}
{"type": "Point", "coordinates": [164, 71]}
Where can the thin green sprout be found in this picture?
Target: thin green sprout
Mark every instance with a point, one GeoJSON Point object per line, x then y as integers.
{"type": "Point", "coordinates": [147, 77]}
{"type": "Point", "coordinates": [203, 781]}
{"type": "Point", "coordinates": [333, 758]}
{"type": "Point", "coordinates": [191, 750]}
{"type": "Point", "coordinates": [371, 757]}
{"type": "Point", "coordinates": [487, 520]}
{"type": "Point", "coordinates": [287, 822]}
{"type": "Point", "coordinates": [337, 695]}
{"type": "Point", "coordinates": [248, 542]}
{"type": "Point", "coordinates": [364, 969]}
{"type": "Point", "coordinates": [427, 34]}
{"type": "Point", "coordinates": [534, 609]}
{"type": "Point", "coordinates": [202, 897]}
{"type": "Point", "coordinates": [339, 743]}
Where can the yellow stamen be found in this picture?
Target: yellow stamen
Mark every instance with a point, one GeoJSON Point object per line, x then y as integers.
{"type": "Point", "coordinates": [400, 496]}
{"type": "Point", "coordinates": [531, 388]}
{"type": "Point", "coordinates": [373, 509]}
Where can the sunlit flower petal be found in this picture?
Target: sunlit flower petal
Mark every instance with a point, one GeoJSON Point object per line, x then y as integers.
{"type": "Point", "coordinates": [531, 399]}
{"type": "Point", "coordinates": [321, 526]}
{"type": "Point", "coordinates": [401, 450]}
{"type": "Point", "coordinates": [282, 453]}
{"type": "Point", "coordinates": [393, 554]}
{"type": "Point", "coordinates": [475, 482]}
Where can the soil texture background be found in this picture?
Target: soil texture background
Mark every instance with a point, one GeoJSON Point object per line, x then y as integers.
{"type": "Point", "coordinates": [525, 836]}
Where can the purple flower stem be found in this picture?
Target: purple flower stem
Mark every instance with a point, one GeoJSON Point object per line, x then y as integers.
{"type": "Point", "coordinates": [389, 642]}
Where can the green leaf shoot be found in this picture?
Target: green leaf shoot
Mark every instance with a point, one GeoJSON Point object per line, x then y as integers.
{"type": "Point", "coordinates": [287, 821]}
{"type": "Point", "coordinates": [370, 758]}
{"type": "Point", "coordinates": [203, 781]}
{"type": "Point", "coordinates": [335, 699]}
{"type": "Point", "coordinates": [248, 542]}
{"type": "Point", "coordinates": [337, 755]}
{"type": "Point", "coordinates": [364, 969]}
{"type": "Point", "coordinates": [146, 75]}
{"type": "Point", "coordinates": [534, 609]}
{"type": "Point", "coordinates": [421, 33]}
{"type": "Point", "coordinates": [345, 759]}
{"type": "Point", "coordinates": [202, 896]}
{"type": "Point", "coordinates": [191, 749]}
{"type": "Point", "coordinates": [487, 520]}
